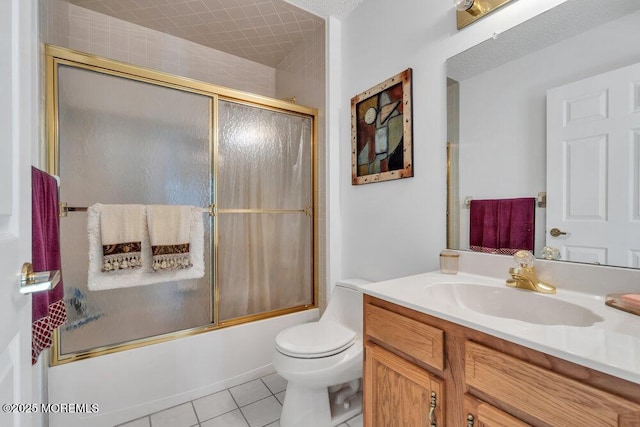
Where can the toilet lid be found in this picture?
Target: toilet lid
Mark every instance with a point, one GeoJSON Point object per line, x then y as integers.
{"type": "Point", "coordinates": [315, 339]}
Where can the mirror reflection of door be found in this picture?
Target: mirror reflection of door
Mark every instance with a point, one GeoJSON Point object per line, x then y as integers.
{"type": "Point", "coordinates": [593, 168]}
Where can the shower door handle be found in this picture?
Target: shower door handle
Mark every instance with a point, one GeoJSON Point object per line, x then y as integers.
{"type": "Point", "coordinates": [31, 281]}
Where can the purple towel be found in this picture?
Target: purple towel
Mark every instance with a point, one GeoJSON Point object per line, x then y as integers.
{"type": "Point", "coordinates": [48, 310]}
{"type": "Point", "coordinates": [484, 224]}
{"type": "Point", "coordinates": [502, 226]}
{"type": "Point", "coordinates": [516, 224]}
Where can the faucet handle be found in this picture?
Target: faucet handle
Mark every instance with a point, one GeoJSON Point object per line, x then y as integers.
{"type": "Point", "coordinates": [524, 259]}
{"type": "Point", "coordinates": [524, 276]}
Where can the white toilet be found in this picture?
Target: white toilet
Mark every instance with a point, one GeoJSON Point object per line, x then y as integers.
{"type": "Point", "coordinates": [322, 362]}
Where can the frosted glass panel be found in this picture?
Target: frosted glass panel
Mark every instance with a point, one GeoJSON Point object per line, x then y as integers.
{"type": "Point", "coordinates": [124, 141]}
{"type": "Point", "coordinates": [265, 260]}
{"type": "Point", "coordinates": [264, 263]}
{"type": "Point", "coordinates": [264, 159]}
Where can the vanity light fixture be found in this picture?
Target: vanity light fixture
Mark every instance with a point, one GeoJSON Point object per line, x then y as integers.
{"type": "Point", "coordinates": [468, 11]}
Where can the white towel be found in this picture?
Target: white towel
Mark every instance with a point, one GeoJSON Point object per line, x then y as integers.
{"type": "Point", "coordinates": [121, 231]}
{"type": "Point", "coordinates": [145, 275]}
{"type": "Point", "coordinates": [169, 228]}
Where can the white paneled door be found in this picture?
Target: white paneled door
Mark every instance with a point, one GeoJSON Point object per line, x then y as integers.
{"type": "Point", "coordinates": [593, 168]}
{"type": "Point", "coordinates": [18, 131]}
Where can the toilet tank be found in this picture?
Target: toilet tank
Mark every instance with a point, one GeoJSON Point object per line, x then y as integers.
{"type": "Point", "coordinates": [345, 304]}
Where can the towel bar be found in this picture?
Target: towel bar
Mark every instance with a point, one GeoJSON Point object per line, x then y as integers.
{"type": "Point", "coordinates": [64, 209]}
{"type": "Point", "coordinates": [541, 199]}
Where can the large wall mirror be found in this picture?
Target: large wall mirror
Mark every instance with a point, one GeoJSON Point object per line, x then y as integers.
{"type": "Point", "coordinates": [551, 106]}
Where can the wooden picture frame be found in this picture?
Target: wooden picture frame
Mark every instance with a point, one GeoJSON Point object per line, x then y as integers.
{"type": "Point", "coordinates": [381, 131]}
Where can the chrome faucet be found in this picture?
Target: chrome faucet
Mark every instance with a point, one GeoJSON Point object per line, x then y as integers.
{"type": "Point", "coordinates": [524, 275]}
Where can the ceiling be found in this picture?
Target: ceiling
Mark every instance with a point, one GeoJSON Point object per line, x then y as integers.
{"type": "Point", "coordinates": [264, 31]}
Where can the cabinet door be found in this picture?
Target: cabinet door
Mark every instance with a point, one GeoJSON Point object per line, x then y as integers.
{"type": "Point", "coordinates": [399, 393]}
{"type": "Point", "coordinates": [481, 414]}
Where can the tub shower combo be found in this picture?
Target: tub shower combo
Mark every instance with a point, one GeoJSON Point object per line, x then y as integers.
{"type": "Point", "coordinates": [120, 134]}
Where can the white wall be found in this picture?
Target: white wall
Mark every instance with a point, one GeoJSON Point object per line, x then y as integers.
{"type": "Point", "coordinates": [504, 111]}
{"type": "Point", "coordinates": [397, 228]}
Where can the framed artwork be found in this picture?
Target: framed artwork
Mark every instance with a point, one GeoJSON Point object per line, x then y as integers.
{"type": "Point", "coordinates": [381, 131]}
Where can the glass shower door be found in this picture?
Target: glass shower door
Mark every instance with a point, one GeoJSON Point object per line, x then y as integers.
{"type": "Point", "coordinates": [264, 205]}
{"type": "Point", "coordinates": [125, 141]}
{"type": "Point", "coordinates": [120, 134]}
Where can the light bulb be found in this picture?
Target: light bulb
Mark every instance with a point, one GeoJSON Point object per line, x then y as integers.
{"type": "Point", "coordinates": [463, 4]}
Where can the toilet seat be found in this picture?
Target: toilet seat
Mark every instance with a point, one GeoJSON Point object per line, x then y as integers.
{"type": "Point", "coordinates": [315, 340]}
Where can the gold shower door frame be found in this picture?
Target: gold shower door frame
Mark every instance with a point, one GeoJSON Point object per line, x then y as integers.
{"type": "Point", "coordinates": [56, 56]}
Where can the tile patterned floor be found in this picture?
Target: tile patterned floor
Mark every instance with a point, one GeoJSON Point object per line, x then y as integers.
{"type": "Point", "coordinates": [257, 403]}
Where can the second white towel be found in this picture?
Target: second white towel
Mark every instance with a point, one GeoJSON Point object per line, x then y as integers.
{"type": "Point", "coordinates": [169, 229]}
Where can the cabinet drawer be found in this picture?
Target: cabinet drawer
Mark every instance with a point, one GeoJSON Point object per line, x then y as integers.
{"type": "Point", "coordinates": [545, 395]}
{"type": "Point", "coordinates": [485, 415]}
{"type": "Point", "coordinates": [488, 416]}
{"type": "Point", "coordinates": [409, 336]}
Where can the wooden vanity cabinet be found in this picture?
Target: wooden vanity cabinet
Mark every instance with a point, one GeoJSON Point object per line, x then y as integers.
{"type": "Point", "coordinates": [403, 357]}
{"type": "Point", "coordinates": [478, 379]}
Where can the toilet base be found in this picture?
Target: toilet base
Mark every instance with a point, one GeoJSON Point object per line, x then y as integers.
{"type": "Point", "coordinates": [309, 407]}
{"type": "Point", "coordinates": [340, 414]}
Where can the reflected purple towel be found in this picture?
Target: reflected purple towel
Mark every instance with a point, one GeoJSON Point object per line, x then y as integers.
{"type": "Point", "coordinates": [48, 310]}
{"type": "Point", "coordinates": [502, 225]}
{"type": "Point", "coordinates": [484, 224]}
{"type": "Point", "coordinates": [516, 224]}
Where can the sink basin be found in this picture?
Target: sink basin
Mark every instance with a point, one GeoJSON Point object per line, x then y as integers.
{"type": "Point", "coordinates": [512, 303]}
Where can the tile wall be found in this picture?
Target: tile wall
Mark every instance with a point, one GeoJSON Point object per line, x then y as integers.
{"type": "Point", "coordinates": [74, 27]}
{"type": "Point", "coordinates": [302, 75]}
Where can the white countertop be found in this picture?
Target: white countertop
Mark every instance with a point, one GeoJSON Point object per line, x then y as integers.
{"type": "Point", "coordinates": [611, 344]}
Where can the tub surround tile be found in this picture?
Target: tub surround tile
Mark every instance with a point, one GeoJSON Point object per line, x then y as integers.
{"type": "Point", "coordinates": [97, 33]}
